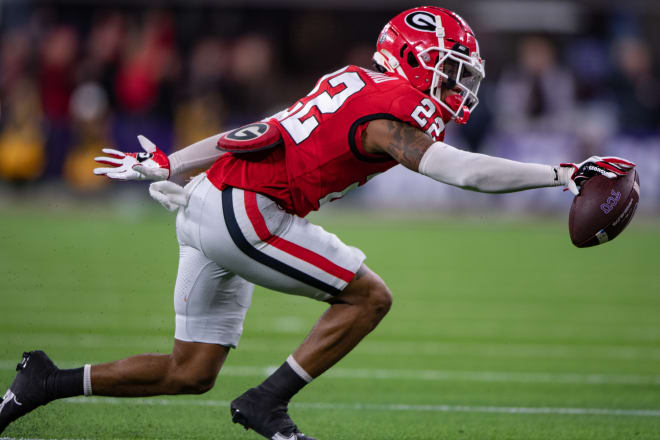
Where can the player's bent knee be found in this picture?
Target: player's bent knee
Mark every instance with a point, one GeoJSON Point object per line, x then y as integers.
{"type": "Point", "coordinates": [187, 383]}
{"type": "Point", "coordinates": [189, 378]}
{"type": "Point", "coordinates": [369, 292]}
{"type": "Point", "coordinates": [380, 297]}
{"type": "Point", "coordinates": [201, 385]}
{"type": "Point", "coordinates": [194, 366]}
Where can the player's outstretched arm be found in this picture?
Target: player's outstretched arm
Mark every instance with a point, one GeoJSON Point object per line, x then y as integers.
{"type": "Point", "coordinates": [405, 143]}
{"type": "Point", "coordinates": [153, 164]}
{"type": "Point", "coordinates": [201, 154]}
{"type": "Point", "coordinates": [478, 172]}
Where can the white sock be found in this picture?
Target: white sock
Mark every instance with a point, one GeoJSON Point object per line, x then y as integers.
{"type": "Point", "coordinates": [298, 369]}
{"type": "Point", "coordinates": [87, 380]}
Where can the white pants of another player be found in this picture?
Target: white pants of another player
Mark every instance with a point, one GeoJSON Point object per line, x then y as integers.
{"type": "Point", "coordinates": [230, 240]}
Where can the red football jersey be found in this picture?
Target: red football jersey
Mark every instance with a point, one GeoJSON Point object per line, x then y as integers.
{"type": "Point", "coordinates": [322, 156]}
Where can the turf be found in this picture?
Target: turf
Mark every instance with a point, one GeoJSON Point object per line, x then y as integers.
{"type": "Point", "coordinates": [491, 320]}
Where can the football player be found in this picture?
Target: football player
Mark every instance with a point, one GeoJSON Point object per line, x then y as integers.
{"type": "Point", "coordinates": [242, 222]}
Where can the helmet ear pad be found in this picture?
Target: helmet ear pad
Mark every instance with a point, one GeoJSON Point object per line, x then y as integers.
{"type": "Point", "coordinates": [378, 68]}
{"type": "Point", "coordinates": [419, 77]}
{"type": "Point", "coordinates": [411, 60]}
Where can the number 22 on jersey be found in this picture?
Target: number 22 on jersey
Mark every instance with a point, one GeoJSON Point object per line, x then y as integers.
{"type": "Point", "coordinates": [423, 114]}
{"type": "Point", "coordinates": [300, 121]}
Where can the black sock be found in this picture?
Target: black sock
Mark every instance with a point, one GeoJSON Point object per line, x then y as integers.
{"type": "Point", "coordinates": [283, 383]}
{"type": "Point", "coordinates": [65, 383]}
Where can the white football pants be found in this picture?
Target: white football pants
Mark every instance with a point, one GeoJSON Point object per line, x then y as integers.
{"type": "Point", "coordinates": [232, 239]}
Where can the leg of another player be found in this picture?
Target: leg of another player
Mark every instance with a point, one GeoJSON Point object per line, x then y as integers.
{"type": "Point", "coordinates": [191, 368]}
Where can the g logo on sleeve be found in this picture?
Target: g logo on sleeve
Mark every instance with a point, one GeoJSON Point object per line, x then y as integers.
{"type": "Point", "coordinates": [250, 138]}
{"type": "Point", "coordinates": [249, 132]}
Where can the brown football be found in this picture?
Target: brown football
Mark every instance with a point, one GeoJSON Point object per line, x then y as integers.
{"type": "Point", "coordinates": [603, 209]}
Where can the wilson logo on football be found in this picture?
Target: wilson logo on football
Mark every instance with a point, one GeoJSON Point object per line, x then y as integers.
{"type": "Point", "coordinates": [422, 21]}
{"type": "Point", "coordinates": [611, 202]}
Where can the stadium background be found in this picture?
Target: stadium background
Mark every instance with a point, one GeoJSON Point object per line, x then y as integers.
{"type": "Point", "coordinates": [564, 80]}
{"type": "Point", "coordinates": [500, 328]}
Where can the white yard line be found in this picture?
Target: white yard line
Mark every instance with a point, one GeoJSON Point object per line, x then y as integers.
{"type": "Point", "coordinates": [438, 375]}
{"type": "Point", "coordinates": [367, 407]}
{"type": "Point", "coordinates": [370, 348]}
{"type": "Point", "coordinates": [379, 407]}
{"type": "Point", "coordinates": [496, 376]}
{"type": "Point", "coordinates": [465, 376]}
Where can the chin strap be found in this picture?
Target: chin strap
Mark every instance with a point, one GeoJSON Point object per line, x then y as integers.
{"type": "Point", "coordinates": [462, 115]}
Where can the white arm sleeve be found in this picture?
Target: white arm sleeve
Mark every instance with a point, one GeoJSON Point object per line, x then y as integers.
{"type": "Point", "coordinates": [198, 155]}
{"type": "Point", "coordinates": [478, 172]}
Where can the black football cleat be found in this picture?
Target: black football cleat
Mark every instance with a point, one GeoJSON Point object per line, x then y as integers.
{"type": "Point", "coordinates": [266, 415]}
{"type": "Point", "coordinates": [28, 390]}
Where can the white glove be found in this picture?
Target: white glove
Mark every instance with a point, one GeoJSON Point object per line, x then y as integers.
{"type": "Point", "coordinates": [574, 175]}
{"type": "Point", "coordinates": [153, 164]}
{"type": "Point", "coordinates": [169, 194]}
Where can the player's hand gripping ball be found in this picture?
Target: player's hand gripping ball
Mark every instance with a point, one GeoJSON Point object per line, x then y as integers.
{"type": "Point", "coordinates": [606, 203]}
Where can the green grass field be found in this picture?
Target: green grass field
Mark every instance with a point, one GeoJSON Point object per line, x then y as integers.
{"type": "Point", "coordinates": [499, 330]}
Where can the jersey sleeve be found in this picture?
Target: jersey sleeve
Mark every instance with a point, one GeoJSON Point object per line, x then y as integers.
{"type": "Point", "coordinates": [419, 110]}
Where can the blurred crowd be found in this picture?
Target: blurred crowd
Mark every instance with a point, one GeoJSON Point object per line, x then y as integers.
{"type": "Point", "coordinates": [70, 84]}
{"type": "Point", "coordinates": [76, 77]}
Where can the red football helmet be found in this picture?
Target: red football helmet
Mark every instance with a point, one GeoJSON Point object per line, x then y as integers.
{"type": "Point", "coordinates": [434, 49]}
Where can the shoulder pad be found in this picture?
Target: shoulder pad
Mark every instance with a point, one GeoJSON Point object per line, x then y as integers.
{"type": "Point", "coordinates": [421, 111]}
{"type": "Point", "coordinates": [257, 136]}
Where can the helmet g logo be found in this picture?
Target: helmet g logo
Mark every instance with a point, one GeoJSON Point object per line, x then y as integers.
{"type": "Point", "coordinates": [421, 20]}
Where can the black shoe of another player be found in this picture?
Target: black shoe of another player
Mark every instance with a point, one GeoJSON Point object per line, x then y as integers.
{"type": "Point", "coordinates": [266, 415]}
{"type": "Point", "coordinates": [28, 390]}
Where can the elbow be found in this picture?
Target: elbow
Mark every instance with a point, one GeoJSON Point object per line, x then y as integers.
{"type": "Point", "coordinates": [474, 182]}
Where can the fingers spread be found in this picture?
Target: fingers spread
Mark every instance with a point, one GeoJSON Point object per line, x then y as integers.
{"type": "Point", "coordinates": [100, 171]}
{"type": "Point", "coordinates": [123, 175]}
{"type": "Point", "coordinates": [146, 144]}
{"type": "Point", "coordinates": [113, 152]}
{"type": "Point", "coordinates": [109, 160]}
